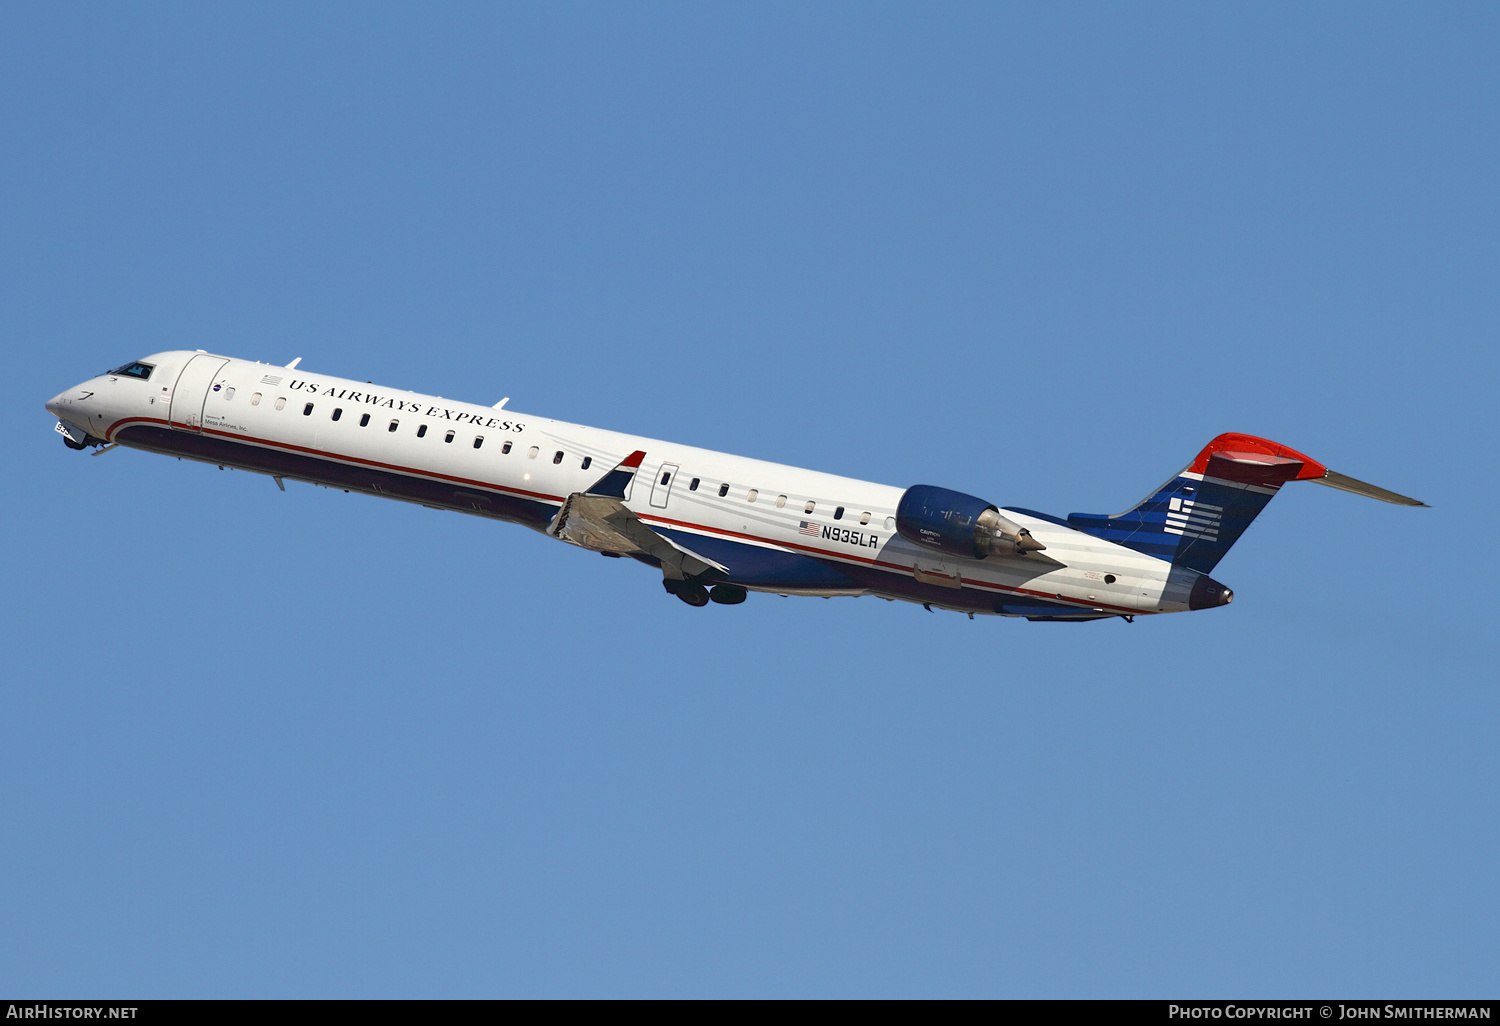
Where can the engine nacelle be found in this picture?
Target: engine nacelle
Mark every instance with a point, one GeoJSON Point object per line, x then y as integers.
{"type": "Point", "coordinates": [964, 525]}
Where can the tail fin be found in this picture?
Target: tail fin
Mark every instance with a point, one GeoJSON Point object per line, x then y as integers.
{"type": "Point", "coordinates": [1193, 519]}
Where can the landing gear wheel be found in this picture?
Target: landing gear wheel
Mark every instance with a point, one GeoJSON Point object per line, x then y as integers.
{"type": "Point", "coordinates": [690, 592]}
{"type": "Point", "coordinates": [727, 594]}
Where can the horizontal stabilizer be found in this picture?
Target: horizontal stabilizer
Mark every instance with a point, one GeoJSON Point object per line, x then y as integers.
{"type": "Point", "coordinates": [1349, 484]}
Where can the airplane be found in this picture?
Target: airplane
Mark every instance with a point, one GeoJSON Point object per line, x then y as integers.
{"type": "Point", "coordinates": [716, 526]}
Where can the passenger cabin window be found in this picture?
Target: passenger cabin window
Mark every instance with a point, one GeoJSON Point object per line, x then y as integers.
{"type": "Point", "coordinates": [693, 485]}
{"type": "Point", "coordinates": [864, 518]}
{"type": "Point", "coordinates": [505, 449]}
{"type": "Point", "coordinates": [780, 501]}
{"type": "Point", "coordinates": [890, 523]}
{"type": "Point", "coordinates": [586, 461]}
{"type": "Point", "coordinates": [255, 399]}
{"type": "Point", "coordinates": [421, 430]}
{"type": "Point", "coordinates": [752, 495]}
{"type": "Point", "coordinates": [281, 402]}
{"type": "Point", "coordinates": [531, 453]}
{"type": "Point", "coordinates": [723, 490]}
{"type": "Point", "coordinates": [557, 458]}
{"type": "Point", "coordinates": [838, 514]}
{"type": "Point", "coordinates": [448, 437]}
{"type": "Point", "coordinates": [134, 370]}
{"type": "Point", "coordinates": [666, 477]}
{"type": "Point", "coordinates": [229, 392]}
{"type": "Point", "coordinates": [307, 410]}
{"type": "Point", "coordinates": [364, 421]}
{"type": "Point", "coordinates": [394, 425]}
{"type": "Point", "coordinates": [478, 441]}
{"type": "Point", "coordinates": [809, 507]}
{"type": "Point", "coordinates": [337, 413]}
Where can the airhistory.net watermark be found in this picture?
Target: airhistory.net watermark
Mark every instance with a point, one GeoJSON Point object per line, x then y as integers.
{"type": "Point", "coordinates": [44, 1010]}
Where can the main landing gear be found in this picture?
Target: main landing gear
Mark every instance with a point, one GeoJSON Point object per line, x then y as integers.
{"type": "Point", "coordinates": [696, 594]}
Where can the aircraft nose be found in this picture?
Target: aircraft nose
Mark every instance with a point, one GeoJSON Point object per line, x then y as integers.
{"type": "Point", "coordinates": [64, 406]}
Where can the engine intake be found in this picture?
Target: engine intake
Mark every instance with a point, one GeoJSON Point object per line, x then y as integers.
{"type": "Point", "coordinates": [964, 525]}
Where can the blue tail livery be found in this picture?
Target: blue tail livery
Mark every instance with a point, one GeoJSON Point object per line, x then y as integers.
{"type": "Point", "coordinates": [1193, 519]}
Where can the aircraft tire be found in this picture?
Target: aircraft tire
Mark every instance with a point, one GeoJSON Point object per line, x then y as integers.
{"type": "Point", "coordinates": [690, 592]}
{"type": "Point", "coordinates": [727, 594]}
{"type": "Point", "coordinates": [693, 594]}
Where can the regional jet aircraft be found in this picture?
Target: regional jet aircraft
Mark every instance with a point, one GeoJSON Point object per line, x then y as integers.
{"type": "Point", "coordinates": [716, 526]}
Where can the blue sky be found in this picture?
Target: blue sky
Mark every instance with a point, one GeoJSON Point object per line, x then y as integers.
{"type": "Point", "coordinates": [315, 744]}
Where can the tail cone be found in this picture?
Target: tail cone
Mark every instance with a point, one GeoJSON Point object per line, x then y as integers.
{"type": "Point", "coordinates": [1208, 593]}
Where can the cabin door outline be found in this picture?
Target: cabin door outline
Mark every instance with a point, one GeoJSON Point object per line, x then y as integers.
{"type": "Point", "coordinates": [661, 484]}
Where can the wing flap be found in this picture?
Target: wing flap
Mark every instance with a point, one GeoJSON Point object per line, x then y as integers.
{"type": "Point", "coordinates": [604, 524]}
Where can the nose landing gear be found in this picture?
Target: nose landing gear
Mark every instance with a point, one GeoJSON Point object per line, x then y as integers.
{"type": "Point", "coordinates": [75, 437]}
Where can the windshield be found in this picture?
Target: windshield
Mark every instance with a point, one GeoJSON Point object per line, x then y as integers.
{"type": "Point", "coordinates": [134, 370]}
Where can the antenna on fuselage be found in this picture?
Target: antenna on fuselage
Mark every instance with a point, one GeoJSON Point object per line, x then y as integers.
{"type": "Point", "coordinates": [293, 364]}
{"type": "Point", "coordinates": [501, 404]}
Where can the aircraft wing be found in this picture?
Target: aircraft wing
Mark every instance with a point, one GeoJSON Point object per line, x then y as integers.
{"type": "Point", "coordinates": [603, 523]}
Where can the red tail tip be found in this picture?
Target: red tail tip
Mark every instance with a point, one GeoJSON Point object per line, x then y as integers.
{"type": "Point", "coordinates": [1230, 444]}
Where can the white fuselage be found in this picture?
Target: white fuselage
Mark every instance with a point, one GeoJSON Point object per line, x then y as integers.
{"type": "Point", "coordinates": [774, 528]}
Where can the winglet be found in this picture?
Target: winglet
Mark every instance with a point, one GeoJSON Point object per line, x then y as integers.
{"type": "Point", "coordinates": [616, 484]}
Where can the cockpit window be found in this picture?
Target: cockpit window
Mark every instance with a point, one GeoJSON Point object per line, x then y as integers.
{"type": "Point", "coordinates": [134, 370]}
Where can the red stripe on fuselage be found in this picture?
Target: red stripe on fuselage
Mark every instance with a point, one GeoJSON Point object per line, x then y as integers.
{"type": "Point", "coordinates": [324, 454]}
{"type": "Point", "coordinates": [905, 571]}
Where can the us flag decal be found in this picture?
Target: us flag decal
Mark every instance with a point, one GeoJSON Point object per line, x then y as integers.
{"type": "Point", "coordinates": [808, 528]}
